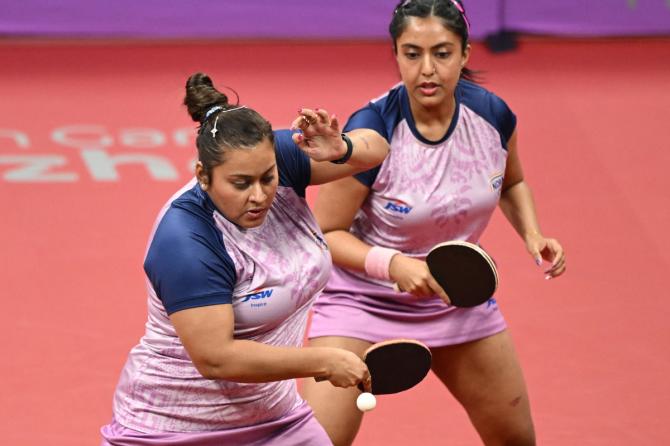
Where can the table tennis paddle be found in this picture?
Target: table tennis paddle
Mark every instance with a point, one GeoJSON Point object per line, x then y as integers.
{"type": "Point", "coordinates": [465, 271]}
{"type": "Point", "coordinates": [395, 365]}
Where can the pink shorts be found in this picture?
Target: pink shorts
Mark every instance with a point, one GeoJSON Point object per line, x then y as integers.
{"type": "Point", "coordinates": [352, 307]}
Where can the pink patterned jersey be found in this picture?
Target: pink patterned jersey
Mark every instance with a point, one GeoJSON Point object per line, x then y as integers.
{"type": "Point", "coordinates": [196, 257]}
{"type": "Point", "coordinates": [424, 193]}
{"type": "Point", "coordinates": [427, 192]}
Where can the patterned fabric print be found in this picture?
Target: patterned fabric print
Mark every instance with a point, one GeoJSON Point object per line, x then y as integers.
{"type": "Point", "coordinates": [427, 194]}
{"type": "Point", "coordinates": [280, 267]}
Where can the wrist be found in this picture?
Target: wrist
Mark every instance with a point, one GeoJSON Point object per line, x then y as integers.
{"type": "Point", "coordinates": [348, 151]}
{"type": "Point", "coordinates": [378, 262]}
{"type": "Point", "coordinates": [531, 234]}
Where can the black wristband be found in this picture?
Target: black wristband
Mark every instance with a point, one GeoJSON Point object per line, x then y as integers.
{"type": "Point", "coordinates": [350, 150]}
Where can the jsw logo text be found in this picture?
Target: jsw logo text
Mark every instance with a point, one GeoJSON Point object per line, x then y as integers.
{"type": "Point", "coordinates": [258, 294]}
{"type": "Point", "coordinates": [398, 206]}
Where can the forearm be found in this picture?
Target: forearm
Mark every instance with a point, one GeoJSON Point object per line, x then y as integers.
{"type": "Point", "coordinates": [253, 362]}
{"type": "Point", "coordinates": [347, 250]}
{"type": "Point", "coordinates": [369, 148]}
{"type": "Point", "coordinates": [518, 206]}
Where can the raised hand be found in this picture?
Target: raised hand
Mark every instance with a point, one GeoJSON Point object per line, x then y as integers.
{"type": "Point", "coordinates": [320, 136]}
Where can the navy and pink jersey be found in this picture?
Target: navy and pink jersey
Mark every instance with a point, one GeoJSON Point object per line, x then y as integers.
{"type": "Point", "coordinates": [424, 193]}
{"type": "Point", "coordinates": [269, 274]}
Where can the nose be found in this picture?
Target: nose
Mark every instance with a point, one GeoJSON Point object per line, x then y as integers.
{"type": "Point", "coordinates": [427, 65]}
{"type": "Point", "coordinates": [257, 195]}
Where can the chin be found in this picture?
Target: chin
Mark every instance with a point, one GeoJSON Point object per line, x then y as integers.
{"type": "Point", "coordinates": [251, 224]}
{"type": "Point", "coordinates": [431, 102]}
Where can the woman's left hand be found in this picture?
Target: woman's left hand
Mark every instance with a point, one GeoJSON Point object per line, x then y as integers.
{"type": "Point", "coordinates": [549, 249]}
{"type": "Point", "coordinates": [320, 136]}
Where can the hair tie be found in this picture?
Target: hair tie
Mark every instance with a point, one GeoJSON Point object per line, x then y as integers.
{"type": "Point", "coordinates": [210, 111]}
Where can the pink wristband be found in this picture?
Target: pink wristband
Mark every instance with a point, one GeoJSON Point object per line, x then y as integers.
{"type": "Point", "coordinates": [377, 262]}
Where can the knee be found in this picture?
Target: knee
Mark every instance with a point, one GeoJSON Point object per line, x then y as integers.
{"type": "Point", "coordinates": [520, 433]}
{"type": "Point", "coordinates": [521, 436]}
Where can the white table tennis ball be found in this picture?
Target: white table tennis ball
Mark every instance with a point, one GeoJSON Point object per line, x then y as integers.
{"type": "Point", "coordinates": [366, 401]}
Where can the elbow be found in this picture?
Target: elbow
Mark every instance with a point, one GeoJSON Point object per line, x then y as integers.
{"type": "Point", "coordinates": [214, 365]}
{"type": "Point", "coordinates": [383, 149]}
{"type": "Point", "coordinates": [372, 144]}
{"type": "Point", "coordinates": [511, 185]}
{"type": "Point", "coordinates": [210, 369]}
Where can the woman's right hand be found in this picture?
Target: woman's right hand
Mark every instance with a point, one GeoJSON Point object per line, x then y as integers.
{"type": "Point", "coordinates": [346, 369]}
{"type": "Point", "coordinates": [413, 276]}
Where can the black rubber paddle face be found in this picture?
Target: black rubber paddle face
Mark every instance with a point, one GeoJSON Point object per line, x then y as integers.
{"type": "Point", "coordinates": [465, 274]}
{"type": "Point", "coordinates": [395, 367]}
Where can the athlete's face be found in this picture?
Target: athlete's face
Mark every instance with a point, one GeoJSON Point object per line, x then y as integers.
{"type": "Point", "coordinates": [243, 187]}
{"type": "Point", "coordinates": [430, 58]}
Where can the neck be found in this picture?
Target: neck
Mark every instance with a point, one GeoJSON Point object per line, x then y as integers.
{"type": "Point", "coordinates": [433, 122]}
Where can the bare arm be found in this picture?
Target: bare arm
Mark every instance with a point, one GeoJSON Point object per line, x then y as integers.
{"type": "Point", "coordinates": [518, 206]}
{"type": "Point", "coordinates": [207, 335]}
{"type": "Point", "coordinates": [321, 140]}
{"type": "Point", "coordinates": [335, 209]}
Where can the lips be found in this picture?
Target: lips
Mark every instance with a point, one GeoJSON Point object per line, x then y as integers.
{"type": "Point", "coordinates": [428, 88]}
{"type": "Point", "coordinates": [256, 213]}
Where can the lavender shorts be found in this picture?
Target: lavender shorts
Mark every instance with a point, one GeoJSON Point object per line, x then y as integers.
{"type": "Point", "coordinates": [352, 307]}
{"type": "Point", "coordinates": [298, 427]}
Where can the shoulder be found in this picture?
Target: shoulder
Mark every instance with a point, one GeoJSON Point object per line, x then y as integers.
{"type": "Point", "coordinates": [187, 263]}
{"type": "Point", "coordinates": [185, 234]}
{"type": "Point", "coordinates": [381, 114]}
{"type": "Point", "coordinates": [292, 163]}
{"type": "Point", "coordinates": [488, 105]}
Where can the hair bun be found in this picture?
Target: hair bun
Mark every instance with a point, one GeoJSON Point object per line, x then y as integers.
{"type": "Point", "coordinates": [201, 95]}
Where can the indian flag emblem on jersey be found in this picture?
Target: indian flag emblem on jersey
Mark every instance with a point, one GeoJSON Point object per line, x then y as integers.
{"type": "Point", "coordinates": [497, 181]}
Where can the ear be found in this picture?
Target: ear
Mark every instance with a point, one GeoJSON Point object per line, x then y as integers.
{"type": "Point", "coordinates": [466, 55]}
{"type": "Point", "coordinates": [201, 175]}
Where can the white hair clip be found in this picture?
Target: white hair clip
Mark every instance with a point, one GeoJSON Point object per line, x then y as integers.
{"type": "Point", "coordinates": [213, 109]}
{"type": "Point", "coordinates": [214, 129]}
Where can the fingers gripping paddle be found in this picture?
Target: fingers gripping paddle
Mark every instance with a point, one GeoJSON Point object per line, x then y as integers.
{"type": "Point", "coordinates": [395, 365]}
{"type": "Point", "coordinates": [465, 271]}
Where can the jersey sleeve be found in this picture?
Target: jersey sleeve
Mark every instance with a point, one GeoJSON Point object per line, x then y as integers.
{"type": "Point", "coordinates": [368, 117]}
{"type": "Point", "coordinates": [490, 107]}
{"type": "Point", "coordinates": [187, 263]}
{"type": "Point", "coordinates": [292, 163]}
{"type": "Point", "coordinates": [503, 117]}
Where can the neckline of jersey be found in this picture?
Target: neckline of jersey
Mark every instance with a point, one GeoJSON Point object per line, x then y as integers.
{"type": "Point", "coordinates": [407, 113]}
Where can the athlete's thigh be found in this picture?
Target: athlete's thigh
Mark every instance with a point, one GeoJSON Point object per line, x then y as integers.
{"type": "Point", "coordinates": [335, 407]}
{"type": "Point", "coordinates": [486, 378]}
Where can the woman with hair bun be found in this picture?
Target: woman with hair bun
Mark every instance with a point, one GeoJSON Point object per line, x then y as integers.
{"type": "Point", "coordinates": [232, 267]}
{"type": "Point", "coordinates": [453, 159]}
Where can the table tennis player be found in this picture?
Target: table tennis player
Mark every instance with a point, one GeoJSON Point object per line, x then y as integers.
{"type": "Point", "coordinates": [453, 160]}
{"type": "Point", "coordinates": [233, 264]}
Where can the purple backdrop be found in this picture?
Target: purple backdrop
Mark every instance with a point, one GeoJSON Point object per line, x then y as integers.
{"type": "Point", "coordinates": [331, 19]}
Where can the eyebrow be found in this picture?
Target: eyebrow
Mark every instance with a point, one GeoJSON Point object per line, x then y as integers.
{"type": "Point", "coordinates": [251, 177]}
{"type": "Point", "coordinates": [412, 46]}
